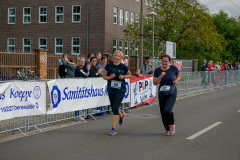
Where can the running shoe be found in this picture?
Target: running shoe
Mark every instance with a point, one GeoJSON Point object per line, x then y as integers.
{"type": "Point", "coordinates": [172, 129]}
{"type": "Point", "coordinates": [121, 120]}
{"type": "Point", "coordinates": [113, 132]}
{"type": "Point", "coordinates": [167, 133]}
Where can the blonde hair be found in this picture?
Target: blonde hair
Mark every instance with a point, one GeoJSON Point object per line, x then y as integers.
{"type": "Point", "coordinates": [121, 53]}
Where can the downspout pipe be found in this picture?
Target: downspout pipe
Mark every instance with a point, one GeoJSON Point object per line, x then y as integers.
{"type": "Point", "coordinates": [87, 23]}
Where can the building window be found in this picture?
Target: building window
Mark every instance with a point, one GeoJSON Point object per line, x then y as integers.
{"type": "Point", "coordinates": [115, 15]}
{"type": "Point", "coordinates": [58, 14]}
{"type": "Point", "coordinates": [127, 18]}
{"type": "Point", "coordinates": [26, 45]}
{"type": "Point", "coordinates": [120, 45]}
{"type": "Point", "coordinates": [11, 44]}
{"type": "Point", "coordinates": [42, 14]}
{"type": "Point", "coordinates": [114, 45]}
{"type": "Point", "coordinates": [132, 18]}
{"type": "Point", "coordinates": [136, 49]}
{"type": "Point", "coordinates": [26, 15]}
{"type": "Point", "coordinates": [58, 45]}
{"type": "Point", "coordinates": [137, 20]}
{"type": "Point", "coordinates": [121, 17]}
{"type": "Point", "coordinates": [43, 43]}
{"type": "Point", "coordinates": [126, 48]}
{"type": "Point", "coordinates": [75, 45]}
{"type": "Point", "coordinates": [146, 2]}
{"type": "Point", "coordinates": [137, 0]}
{"type": "Point", "coordinates": [131, 48]}
{"type": "Point", "coordinates": [76, 13]}
{"type": "Point", "coordinates": [150, 3]}
{"type": "Point", "coordinates": [11, 15]}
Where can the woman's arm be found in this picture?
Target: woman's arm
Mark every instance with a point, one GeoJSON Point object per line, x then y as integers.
{"type": "Point", "coordinates": [157, 80]}
{"type": "Point", "coordinates": [178, 77]}
{"type": "Point", "coordinates": [106, 77]}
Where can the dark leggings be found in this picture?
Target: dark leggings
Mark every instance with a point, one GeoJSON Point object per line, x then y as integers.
{"type": "Point", "coordinates": [166, 105]}
{"type": "Point", "coordinates": [116, 100]}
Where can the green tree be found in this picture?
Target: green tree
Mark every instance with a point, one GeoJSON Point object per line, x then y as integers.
{"type": "Point", "coordinates": [190, 26]}
{"type": "Point", "coordinates": [229, 28]}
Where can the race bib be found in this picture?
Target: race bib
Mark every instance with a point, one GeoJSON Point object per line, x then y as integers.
{"type": "Point", "coordinates": [116, 84]}
{"type": "Point", "coordinates": [165, 88]}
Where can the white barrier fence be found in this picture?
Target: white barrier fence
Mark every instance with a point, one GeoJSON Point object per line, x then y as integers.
{"type": "Point", "coordinates": [28, 98]}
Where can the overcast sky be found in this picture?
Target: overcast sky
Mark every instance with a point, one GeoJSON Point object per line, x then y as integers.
{"type": "Point", "coordinates": [216, 5]}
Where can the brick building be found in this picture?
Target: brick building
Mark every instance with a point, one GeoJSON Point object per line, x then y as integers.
{"type": "Point", "coordinates": [73, 27]}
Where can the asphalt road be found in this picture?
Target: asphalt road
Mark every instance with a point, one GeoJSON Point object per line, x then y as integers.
{"type": "Point", "coordinates": [141, 137]}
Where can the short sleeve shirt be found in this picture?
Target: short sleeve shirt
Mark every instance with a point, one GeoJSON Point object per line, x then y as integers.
{"type": "Point", "coordinates": [168, 78]}
{"type": "Point", "coordinates": [121, 69]}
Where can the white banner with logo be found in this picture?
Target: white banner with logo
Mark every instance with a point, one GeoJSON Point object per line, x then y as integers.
{"type": "Point", "coordinates": [143, 90]}
{"type": "Point", "coordinates": [76, 94]}
{"type": "Point", "coordinates": [19, 99]}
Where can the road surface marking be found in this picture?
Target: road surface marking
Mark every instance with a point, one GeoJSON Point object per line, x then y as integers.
{"type": "Point", "coordinates": [204, 130]}
{"type": "Point", "coordinates": [238, 111]}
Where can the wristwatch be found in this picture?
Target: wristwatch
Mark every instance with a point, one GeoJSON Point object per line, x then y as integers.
{"type": "Point", "coordinates": [177, 80]}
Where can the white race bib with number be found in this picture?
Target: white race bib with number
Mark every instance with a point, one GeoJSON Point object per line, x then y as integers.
{"type": "Point", "coordinates": [165, 88]}
{"type": "Point", "coordinates": [116, 84]}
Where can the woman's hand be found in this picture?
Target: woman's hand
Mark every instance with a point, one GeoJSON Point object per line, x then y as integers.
{"type": "Point", "coordinates": [163, 74]}
{"type": "Point", "coordinates": [112, 76]}
{"type": "Point", "coordinates": [175, 82]}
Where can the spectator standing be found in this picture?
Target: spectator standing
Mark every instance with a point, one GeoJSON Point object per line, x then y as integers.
{"type": "Point", "coordinates": [102, 65]}
{"type": "Point", "coordinates": [115, 73]}
{"type": "Point", "coordinates": [98, 56]}
{"type": "Point", "coordinates": [90, 55]}
{"type": "Point", "coordinates": [230, 65]}
{"type": "Point", "coordinates": [70, 68]}
{"type": "Point", "coordinates": [137, 73]}
{"type": "Point", "coordinates": [204, 73]}
{"type": "Point", "coordinates": [94, 72]}
{"type": "Point", "coordinates": [79, 71]}
{"type": "Point", "coordinates": [62, 63]}
{"type": "Point", "coordinates": [147, 68]}
{"type": "Point", "coordinates": [223, 73]}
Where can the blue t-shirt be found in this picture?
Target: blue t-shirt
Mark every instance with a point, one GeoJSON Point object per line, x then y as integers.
{"type": "Point", "coordinates": [238, 67]}
{"type": "Point", "coordinates": [168, 78]}
{"type": "Point", "coordinates": [121, 69]}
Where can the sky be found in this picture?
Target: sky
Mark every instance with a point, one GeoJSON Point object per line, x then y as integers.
{"type": "Point", "coordinates": [216, 5]}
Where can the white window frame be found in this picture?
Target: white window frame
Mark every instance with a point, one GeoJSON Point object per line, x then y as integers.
{"type": "Point", "coordinates": [136, 49]}
{"type": "Point", "coordinates": [41, 46]}
{"type": "Point", "coordinates": [147, 2]}
{"type": "Point", "coordinates": [121, 17]}
{"type": "Point", "coordinates": [26, 15]}
{"type": "Point", "coordinates": [137, 0]}
{"type": "Point", "coordinates": [120, 47]}
{"type": "Point", "coordinates": [115, 14]}
{"type": "Point", "coordinates": [132, 18]}
{"type": "Point", "coordinates": [131, 48]}
{"type": "Point", "coordinates": [40, 15]}
{"type": "Point", "coordinates": [76, 46]}
{"type": "Point", "coordinates": [58, 45]}
{"type": "Point", "coordinates": [126, 48]}
{"type": "Point", "coordinates": [137, 20]}
{"type": "Point", "coordinates": [73, 14]}
{"type": "Point", "coordinates": [127, 18]}
{"type": "Point", "coordinates": [59, 14]}
{"type": "Point", "coordinates": [150, 3]}
{"type": "Point", "coordinates": [8, 45]}
{"type": "Point", "coordinates": [27, 45]}
{"type": "Point", "coordinates": [114, 47]}
{"type": "Point", "coordinates": [12, 16]}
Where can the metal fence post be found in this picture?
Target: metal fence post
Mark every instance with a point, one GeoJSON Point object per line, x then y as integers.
{"type": "Point", "coordinates": [187, 82]}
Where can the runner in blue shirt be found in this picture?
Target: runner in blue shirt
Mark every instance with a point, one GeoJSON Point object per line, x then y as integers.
{"type": "Point", "coordinates": [115, 73]}
{"type": "Point", "coordinates": [167, 76]}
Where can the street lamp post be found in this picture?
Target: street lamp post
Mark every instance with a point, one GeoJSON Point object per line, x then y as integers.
{"type": "Point", "coordinates": [153, 14]}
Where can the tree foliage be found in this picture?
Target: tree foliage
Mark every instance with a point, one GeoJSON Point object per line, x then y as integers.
{"type": "Point", "coordinates": [229, 28]}
{"type": "Point", "coordinates": [190, 26]}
